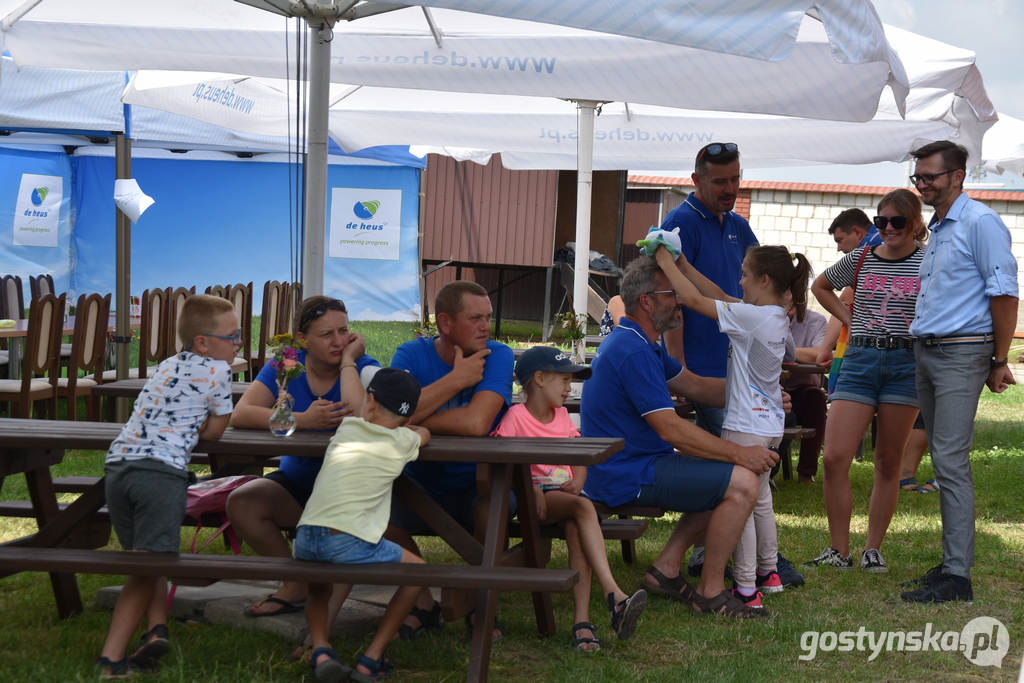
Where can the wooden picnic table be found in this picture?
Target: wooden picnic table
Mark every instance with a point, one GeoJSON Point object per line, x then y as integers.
{"type": "Point", "coordinates": [792, 369]}
{"type": "Point", "coordinates": [131, 387]}
{"type": "Point", "coordinates": [32, 446]}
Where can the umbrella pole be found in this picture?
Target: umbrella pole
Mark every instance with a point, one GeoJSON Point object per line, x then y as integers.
{"type": "Point", "coordinates": [584, 189]}
{"type": "Point", "coordinates": [316, 158]}
{"type": "Point", "coordinates": [122, 276]}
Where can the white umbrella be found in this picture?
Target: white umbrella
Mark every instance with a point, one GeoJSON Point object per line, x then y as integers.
{"type": "Point", "coordinates": [215, 34]}
{"type": "Point", "coordinates": [1003, 149]}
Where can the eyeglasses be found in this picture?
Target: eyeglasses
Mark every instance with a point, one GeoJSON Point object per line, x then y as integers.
{"type": "Point", "coordinates": [235, 337]}
{"type": "Point", "coordinates": [661, 291]}
{"type": "Point", "coordinates": [897, 222]}
{"type": "Point", "coordinates": [717, 149]}
{"type": "Point", "coordinates": [929, 178]}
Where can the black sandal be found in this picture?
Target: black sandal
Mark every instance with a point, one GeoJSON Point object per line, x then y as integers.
{"type": "Point", "coordinates": [155, 643]}
{"type": "Point", "coordinates": [330, 670]}
{"type": "Point", "coordinates": [582, 641]}
{"type": "Point", "coordinates": [626, 613]}
{"type": "Point", "coordinates": [675, 589]}
{"type": "Point", "coordinates": [378, 668]}
{"type": "Point", "coordinates": [727, 604]}
{"type": "Point", "coordinates": [497, 627]}
{"type": "Point", "coordinates": [430, 619]}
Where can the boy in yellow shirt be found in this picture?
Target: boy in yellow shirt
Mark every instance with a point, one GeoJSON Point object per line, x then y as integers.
{"type": "Point", "coordinates": [345, 517]}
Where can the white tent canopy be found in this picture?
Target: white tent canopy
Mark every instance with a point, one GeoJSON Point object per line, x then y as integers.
{"type": "Point", "coordinates": [821, 69]}
{"type": "Point", "coordinates": [946, 100]}
{"type": "Point", "coordinates": [834, 69]}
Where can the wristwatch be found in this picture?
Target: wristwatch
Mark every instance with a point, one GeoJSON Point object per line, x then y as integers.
{"type": "Point", "coordinates": [993, 363]}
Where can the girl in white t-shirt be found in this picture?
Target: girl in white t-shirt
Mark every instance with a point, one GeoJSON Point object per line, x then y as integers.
{"type": "Point", "coordinates": [758, 331]}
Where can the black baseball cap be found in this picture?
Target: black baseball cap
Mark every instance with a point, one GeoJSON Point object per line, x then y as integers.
{"type": "Point", "coordinates": [396, 390]}
{"type": "Point", "coordinates": [548, 359]}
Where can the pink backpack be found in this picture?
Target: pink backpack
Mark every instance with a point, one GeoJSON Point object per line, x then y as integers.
{"type": "Point", "coordinates": [210, 497]}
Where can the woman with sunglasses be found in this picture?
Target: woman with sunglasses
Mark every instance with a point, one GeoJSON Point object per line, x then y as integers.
{"type": "Point", "coordinates": [878, 373]}
{"type": "Point", "coordinates": [328, 389]}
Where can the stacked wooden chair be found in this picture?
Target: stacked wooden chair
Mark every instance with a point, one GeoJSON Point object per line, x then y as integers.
{"type": "Point", "coordinates": [45, 326]}
{"type": "Point", "coordinates": [88, 344]}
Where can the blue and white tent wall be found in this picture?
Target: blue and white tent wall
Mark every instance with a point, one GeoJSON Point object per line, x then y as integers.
{"type": "Point", "coordinates": [219, 219]}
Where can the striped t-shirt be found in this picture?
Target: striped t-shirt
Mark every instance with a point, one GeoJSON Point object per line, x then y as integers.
{"type": "Point", "coordinates": [886, 291]}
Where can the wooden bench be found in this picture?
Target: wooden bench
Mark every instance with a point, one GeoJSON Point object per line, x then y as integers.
{"type": "Point", "coordinates": [792, 434]}
{"type": "Point", "coordinates": [626, 513]}
{"type": "Point", "coordinates": [192, 568]}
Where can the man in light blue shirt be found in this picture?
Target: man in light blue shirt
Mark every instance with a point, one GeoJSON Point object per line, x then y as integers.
{"type": "Point", "coordinates": [965, 319]}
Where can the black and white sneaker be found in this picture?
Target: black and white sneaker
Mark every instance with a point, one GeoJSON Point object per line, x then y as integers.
{"type": "Point", "coordinates": [830, 557]}
{"type": "Point", "coordinates": [871, 560]}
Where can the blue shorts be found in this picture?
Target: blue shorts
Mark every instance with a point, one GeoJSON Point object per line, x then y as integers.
{"type": "Point", "coordinates": [686, 484]}
{"type": "Point", "coordinates": [874, 376]}
{"type": "Point", "coordinates": [318, 544]}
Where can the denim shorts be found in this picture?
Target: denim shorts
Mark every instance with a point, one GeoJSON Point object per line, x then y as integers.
{"type": "Point", "coordinates": [318, 544]}
{"type": "Point", "coordinates": [874, 376]}
{"type": "Point", "coordinates": [686, 484]}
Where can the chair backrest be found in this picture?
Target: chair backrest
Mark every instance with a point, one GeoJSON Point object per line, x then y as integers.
{"type": "Point", "coordinates": [218, 290]}
{"type": "Point", "coordinates": [153, 329]}
{"type": "Point", "coordinates": [175, 302]}
{"type": "Point", "coordinates": [292, 298]}
{"type": "Point", "coordinates": [42, 344]}
{"type": "Point", "coordinates": [12, 300]}
{"type": "Point", "coordinates": [270, 317]}
{"type": "Point", "coordinates": [89, 342]}
{"type": "Point", "coordinates": [240, 297]}
{"type": "Point", "coordinates": [40, 284]}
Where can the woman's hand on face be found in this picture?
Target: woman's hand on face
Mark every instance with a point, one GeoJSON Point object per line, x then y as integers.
{"type": "Point", "coordinates": [324, 414]}
{"type": "Point", "coordinates": [354, 349]}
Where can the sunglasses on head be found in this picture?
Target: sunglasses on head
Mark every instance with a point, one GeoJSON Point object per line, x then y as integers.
{"type": "Point", "coordinates": [897, 222]}
{"type": "Point", "coordinates": [717, 149]}
{"type": "Point", "coordinates": [318, 311]}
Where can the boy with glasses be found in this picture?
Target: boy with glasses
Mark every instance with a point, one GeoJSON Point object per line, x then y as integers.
{"type": "Point", "coordinates": [188, 398]}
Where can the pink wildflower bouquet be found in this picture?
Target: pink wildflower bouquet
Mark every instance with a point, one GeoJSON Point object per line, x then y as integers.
{"type": "Point", "coordinates": [285, 349]}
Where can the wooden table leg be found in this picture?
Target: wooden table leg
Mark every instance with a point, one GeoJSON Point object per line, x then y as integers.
{"type": "Point", "coordinates": [533, 545]}
{"type": "Point", "coordinates": [44, 502]}
{"type": "Point", "coordinates": [487, 600]}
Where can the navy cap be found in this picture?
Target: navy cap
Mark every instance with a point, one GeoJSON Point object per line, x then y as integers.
{"type": "Point", "coordinates": [396, 390]}
{"type": "Point", "coordinates": [548, 359]}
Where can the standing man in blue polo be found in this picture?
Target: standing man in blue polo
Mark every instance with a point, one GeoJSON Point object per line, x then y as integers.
{"type": "Point", "coordinates": [965, 319]}
{"type": "Point", "coordinates": [714, 239]}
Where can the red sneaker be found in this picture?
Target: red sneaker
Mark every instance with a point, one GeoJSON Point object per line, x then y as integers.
{"type": "Point", "coordinates": [769, 583]}
{"type": "Point", "coordinates": [753, 601]}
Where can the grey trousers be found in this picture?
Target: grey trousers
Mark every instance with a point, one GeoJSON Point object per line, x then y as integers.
{"type": "Point", "coordinates": [950, 378]}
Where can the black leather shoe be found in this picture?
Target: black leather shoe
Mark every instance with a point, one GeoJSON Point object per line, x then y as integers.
{"type": "Point", "coordinates": [943, 588]}
{"type": "Point", "coordinates": [926, 580]}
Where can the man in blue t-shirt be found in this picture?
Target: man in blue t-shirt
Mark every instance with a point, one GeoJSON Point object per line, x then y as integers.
{"type": "Point", "coordinates": [714, 239]}
{"type": "Point", "coordinates": [715, 482]}
{"type": "Point", "coordinates": [467, 387]}
{"type": "Point", "coordinates": [852, 229]}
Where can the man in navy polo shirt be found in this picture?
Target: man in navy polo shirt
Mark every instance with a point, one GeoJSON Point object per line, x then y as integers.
{"type": "Point", "coordinates": [713, 481]}
{"type": "Point", "coordinates": [714, 239]}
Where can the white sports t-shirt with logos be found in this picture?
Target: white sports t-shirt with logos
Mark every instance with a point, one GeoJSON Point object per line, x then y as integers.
{"type": "Point", "coordinates": [753, 397]}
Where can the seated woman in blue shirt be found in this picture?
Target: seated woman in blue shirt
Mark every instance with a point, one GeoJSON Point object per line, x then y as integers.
{"type": "Point", "coordinates": [327, 390]}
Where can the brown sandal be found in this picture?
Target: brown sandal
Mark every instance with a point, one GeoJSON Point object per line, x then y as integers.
{"type": "Point", "coordinates": [726, 604]}
{"type": "Point", "coordinates": [674, 589]}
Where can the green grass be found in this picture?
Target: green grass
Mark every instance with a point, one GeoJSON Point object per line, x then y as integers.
{"type": "Point", "coordinates": [671, 643]}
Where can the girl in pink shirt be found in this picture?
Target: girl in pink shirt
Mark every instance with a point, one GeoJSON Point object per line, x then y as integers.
{"type": "Point", "coordinates": [545, 374]}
